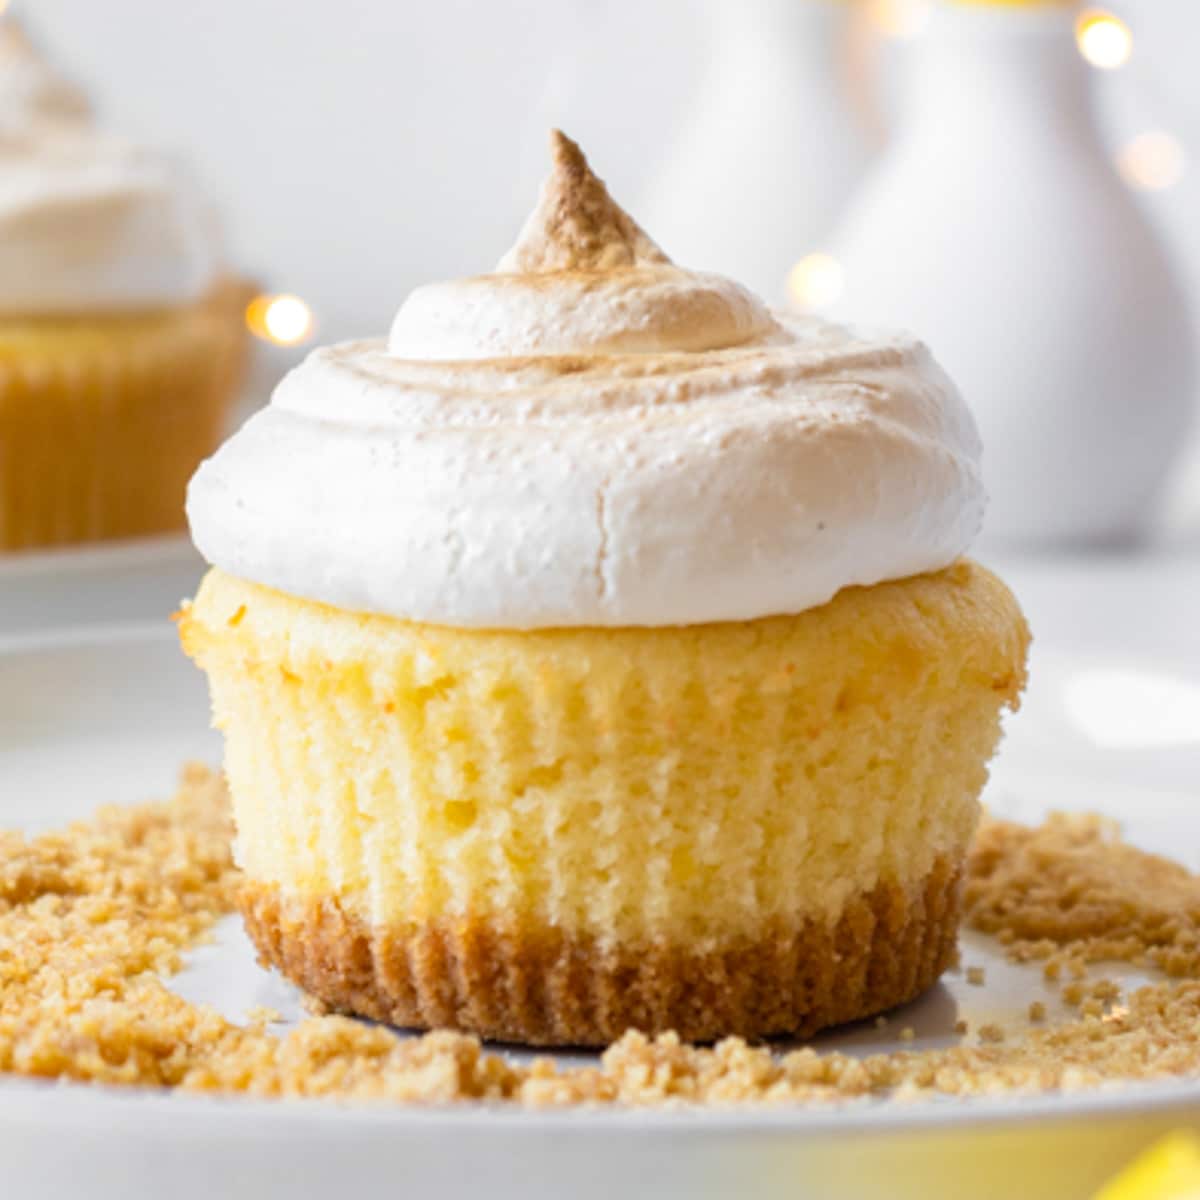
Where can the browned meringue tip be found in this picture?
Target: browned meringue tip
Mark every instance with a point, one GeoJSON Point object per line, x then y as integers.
{"type": "Point", "coordinates": [577, 226]}
{"type": "Point", "coordinates": [566, 154]}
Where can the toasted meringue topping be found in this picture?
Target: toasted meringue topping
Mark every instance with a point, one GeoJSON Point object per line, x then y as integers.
{"type": "Point", "coordinates": [583, 278]}
{"type": "Point", "coordinates": [577, 226]}
{"type": "Point", "coordinates": [591, 435]}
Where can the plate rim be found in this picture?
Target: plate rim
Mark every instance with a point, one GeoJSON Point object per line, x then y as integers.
{"type": "Point", "coordinates": [115, 554]}
{"type": "Point", "coordinates": [70, 1103]}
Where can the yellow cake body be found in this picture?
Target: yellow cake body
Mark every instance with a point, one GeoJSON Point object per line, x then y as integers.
{"type": "Point", "coordinates": [751, 827]}
{"type": "Point", "coordinates": [103, 419]}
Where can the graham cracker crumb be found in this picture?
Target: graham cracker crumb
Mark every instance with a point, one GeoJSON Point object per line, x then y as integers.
{"type": "Point", "coordinates": [908, 1034]}
{"type": "Point", "coordinates": [976, 976]}
{"type": "Point", "coordinates": [961, 1027]}
{"type": "Point", "coordinates": [94, 916]}
{"type": "Point", "coordinates": [1071, 892]}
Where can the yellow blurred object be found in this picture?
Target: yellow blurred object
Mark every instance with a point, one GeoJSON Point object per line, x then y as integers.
{"type": "Point", "coordinates": [1169, 1170]}
{"type": "Point", "coordinates": [1103, 39]}
{"type": "Point", "coordinates": [285, 320]}
{"type": "Point", "coordinates": [103, 418]}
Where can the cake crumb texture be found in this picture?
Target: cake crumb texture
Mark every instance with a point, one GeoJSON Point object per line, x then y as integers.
{"type": "Point", "coordinates": [643, 785]}
{"type": "Point", "coordinates": [93, 917]}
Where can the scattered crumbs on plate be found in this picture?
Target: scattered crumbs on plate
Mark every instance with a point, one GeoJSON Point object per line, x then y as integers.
{"type": "Point", "coordinates": [1070, 892]}
{"type": "Point", "coordinates": [1073, 994]}
{"type": "Point", "coordinates": [94, 916]}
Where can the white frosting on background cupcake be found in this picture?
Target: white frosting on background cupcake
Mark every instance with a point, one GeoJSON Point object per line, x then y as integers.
{"type": "Point", "coordinates": [592, 436]}
{"type": "Point", "coordinates": [88, 222]}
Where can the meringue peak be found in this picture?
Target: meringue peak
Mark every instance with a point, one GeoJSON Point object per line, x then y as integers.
{"type": "Point", "coordinates": [583, 279]}
{"type": "Point", "coordinates": [577, 225]}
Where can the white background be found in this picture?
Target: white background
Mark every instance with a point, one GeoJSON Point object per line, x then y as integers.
{"type": "Point", "coordinates": [358, 147]}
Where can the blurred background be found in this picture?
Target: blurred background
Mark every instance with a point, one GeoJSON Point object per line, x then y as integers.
{"type": "Point", "coordinates": [358, 150]}
{"type": "Point", "coordinates": [1014, 180]}
{"type": "Point", "coordinates": [361, 148]}
{"type": "Point", "coordinates": [1017, 182]}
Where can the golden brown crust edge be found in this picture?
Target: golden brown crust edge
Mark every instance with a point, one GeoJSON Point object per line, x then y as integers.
{"type": "Point", "coordinates": [540, 987]}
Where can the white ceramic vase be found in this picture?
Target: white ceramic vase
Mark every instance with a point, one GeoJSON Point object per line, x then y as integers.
{"type": "Point", "coordinates": [997, 228]}
{"type": "Point", "coordinates": [770, 151]}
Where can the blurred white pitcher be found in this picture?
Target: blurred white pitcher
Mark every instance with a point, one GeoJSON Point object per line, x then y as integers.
{"type": "Point", "coordinates": [771, 149]}
{"type": "Point", "coordinates": [997, 228]}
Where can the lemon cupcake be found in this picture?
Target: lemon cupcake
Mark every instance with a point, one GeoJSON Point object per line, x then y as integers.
{"type": "Point", "coordinates": [597, 652]}
{"type": "Point", "coordinates": [121, 339]}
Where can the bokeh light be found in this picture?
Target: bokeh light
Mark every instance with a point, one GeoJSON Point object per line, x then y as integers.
{"type": "Point", "coordinates": [1104, 39]}
{"type": "Point", "coordinates": [1152, 161]}
{"type": "Point", "coordinates": [285, 320]}
{"type": "Point", "coordinates": [816, 282]}
{"type": "Point", "coordinates": [899, 18]}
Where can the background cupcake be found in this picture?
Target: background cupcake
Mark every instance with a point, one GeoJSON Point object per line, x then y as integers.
{"type": "Point", "coordinates": [598, 653]}
{"type": "Point", "coordinates": [121, 335]}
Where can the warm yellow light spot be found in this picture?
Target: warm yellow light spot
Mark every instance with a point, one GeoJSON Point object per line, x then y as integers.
{"type": "Point", "coordinates": [898, 18]}
{"type": "Point", "coordinates": [1152, 161]}
{"type": "Point", "coordinates": [1104, 39]}
{"type": "Point", "coordinates": [816, 281]}
{"type": "Point", "coordinates": [1169, 1170]}
{"type": "Point", "coordinates": [284, 320]}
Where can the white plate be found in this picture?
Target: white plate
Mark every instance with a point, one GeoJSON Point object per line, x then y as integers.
{"type": "Point", "coordinates": [95, 582]}
{"type": "Point", "coordinates": [108, 715]}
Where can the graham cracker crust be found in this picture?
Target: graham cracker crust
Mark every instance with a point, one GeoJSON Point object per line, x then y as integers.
{"type": "Point", "coordinates": [537, 986]}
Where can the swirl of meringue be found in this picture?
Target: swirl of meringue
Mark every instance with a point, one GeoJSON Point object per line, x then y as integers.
{"type": "Point", "coordinates": [591, 436]}
{"type": "Point", "coordinates": [88, 222]}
